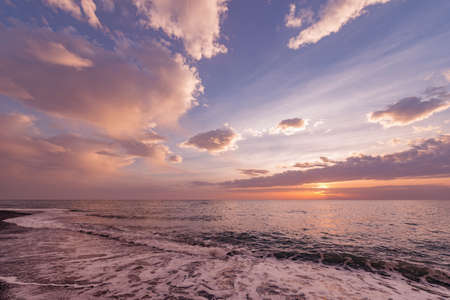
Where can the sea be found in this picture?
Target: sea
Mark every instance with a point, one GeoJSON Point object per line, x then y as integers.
{"type": "Point", "coordinates": [252, 249]}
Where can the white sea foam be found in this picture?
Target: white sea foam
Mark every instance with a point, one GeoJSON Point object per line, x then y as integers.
{"type": "Point", "coordinates": [41, 218]}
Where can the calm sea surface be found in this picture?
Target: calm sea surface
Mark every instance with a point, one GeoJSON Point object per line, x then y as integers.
{"type": "Point", "coordinates": [228, 250]}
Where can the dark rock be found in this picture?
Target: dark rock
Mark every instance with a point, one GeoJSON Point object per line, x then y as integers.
{"type": "Point", "coordinates": [410, 271]}
{"type": "Point", "coordinates": [333, 259]}
{"type": "Point", "coordinates": [284, 255]}
{"type": "Point", "coordinates": [314, 257]}
{"type": "Point", "coordinates": [4, 290]}
{"type": "Point", "coordinates": [206, 295]}
{"type": "Point", "coordinates": [358, 262]}
{"type": "Point", "coordinates": [438, 281]}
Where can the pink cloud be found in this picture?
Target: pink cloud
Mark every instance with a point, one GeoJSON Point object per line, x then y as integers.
{"type": "Point", "coordinates": [196, 23]}
{"type": "Point", "coordinates": [331, 17]}
{"type": "Point", "coordinates": [25, 151]}
{"type": "Point", "coordinates": [214, 141]}
{"type": "Point", "coordinates": [119, 92]}
{"type": "Point", "coordinates": [294, 19]}
{"type": "Point", "coordinates": [56, 53]}
{"type": "Point", "coordinates": [69, 6]}
{"type": "Point", "coordinates": [89, 9]}
{"type": "Point", "coordinates": [75, 8]}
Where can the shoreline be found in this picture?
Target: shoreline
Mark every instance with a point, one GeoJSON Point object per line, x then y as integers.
{"type": "Point", "coordinates": [6, 229]}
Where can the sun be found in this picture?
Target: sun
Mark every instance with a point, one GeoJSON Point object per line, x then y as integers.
{"type": "Point", "coordinates": [321, 186]}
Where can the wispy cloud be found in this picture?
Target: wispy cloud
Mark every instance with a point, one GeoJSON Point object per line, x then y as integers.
{"type": "Point", "coordinates": [253, 172]}
{"type": "Point", "coordinates": [56, 53]}
{"type": "Point", "coordinates": [294, 19]}
{"type": "Point", "coordinates": [324, 162]}
{"type": "Point", "coordinates": [420, 129]}
{"type": "Point", "coordinates": [446, 75]}
{"type": "Point", "coordinates": [286, 127]}
{"type": "Point", "coordinates": [331, 17]}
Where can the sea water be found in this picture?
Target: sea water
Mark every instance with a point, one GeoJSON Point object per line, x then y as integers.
{"type": "Point", "coordinates": [228, 250]}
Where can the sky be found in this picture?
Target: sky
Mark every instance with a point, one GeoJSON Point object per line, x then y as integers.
{"type": "Point", "coordinates": [224, 99]}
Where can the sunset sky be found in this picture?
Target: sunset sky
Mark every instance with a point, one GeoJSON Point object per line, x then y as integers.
{"type": "Point", "coordinates": [217, 99]}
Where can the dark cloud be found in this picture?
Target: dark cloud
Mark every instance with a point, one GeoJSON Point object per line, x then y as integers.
{"type": "Point", "coordinates": [307, 165]}
{"type": "Point", "coordinates": [213, 141]}
{"type": "Point", "coordinates": [289, 126]}
{"type": "Point", "coordinates": [325, 161]}
{"type": "Point", "coordinates": [429, 158]}
{"type": "Point", "coordinates": [436, 91]}
{"type": "Point", "coordinates": [174, 158]}
{"type": "Point", "coordinates": [253, 172]}
{"type": "Point", "coordinates": [292, 123]}
{"type": "Point", "coordinates": [411, 109]}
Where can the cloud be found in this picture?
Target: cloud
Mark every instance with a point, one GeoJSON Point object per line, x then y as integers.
{"type": "Point", "coordinates": [69, 6]}
{"type": "Point", "coordinates": [318, 123]}
{"type": "Point", "coordinates": [293, 20]}
{"type": "Point", "coordinates": [72, 7]}
{"type": "Point", "coordinates": [56, 53]}
{"type": "Point", "coordinates": [214, 141]}
{"type": "Point", "coordinates": [175, 159]}
{"type": "Point", "coordinates": [420, 129]}
{"type": "Point", "coordinates": [408, 110]}
{"type": "Point", "coordinates": [331, 17]}
{"type": "Point", "coordinates": [120, 91]}
{"type": "Point", "coordinates": [436, 91]}
{"type": "Point", "coordinates": [286, 127]}
{"type": "Point", "coordinates": [107, 5]}
{"type": "Point", "coordinates": [290, 126]}
{"type": "Point", "coordinates": [307, 165]}
{"type": "Point", "coordinates": [292, 123]}
{"type": "Point", "coordinates": [11, 89]}
{"type": "Point", "coordinates": [253, 172]}
{"type": "Point", "coordinates": [196, 23]}
{"type": "Point", "coordinates": [325, 161]}
{"type": "Point", "coordinates": [446, 75]}
{"type": "Point", "coordinates": [89, 9]}
{"type": "Point", "coordinates": [429, 158]}
{"type": "Point", "coordinates": [25, 151]}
